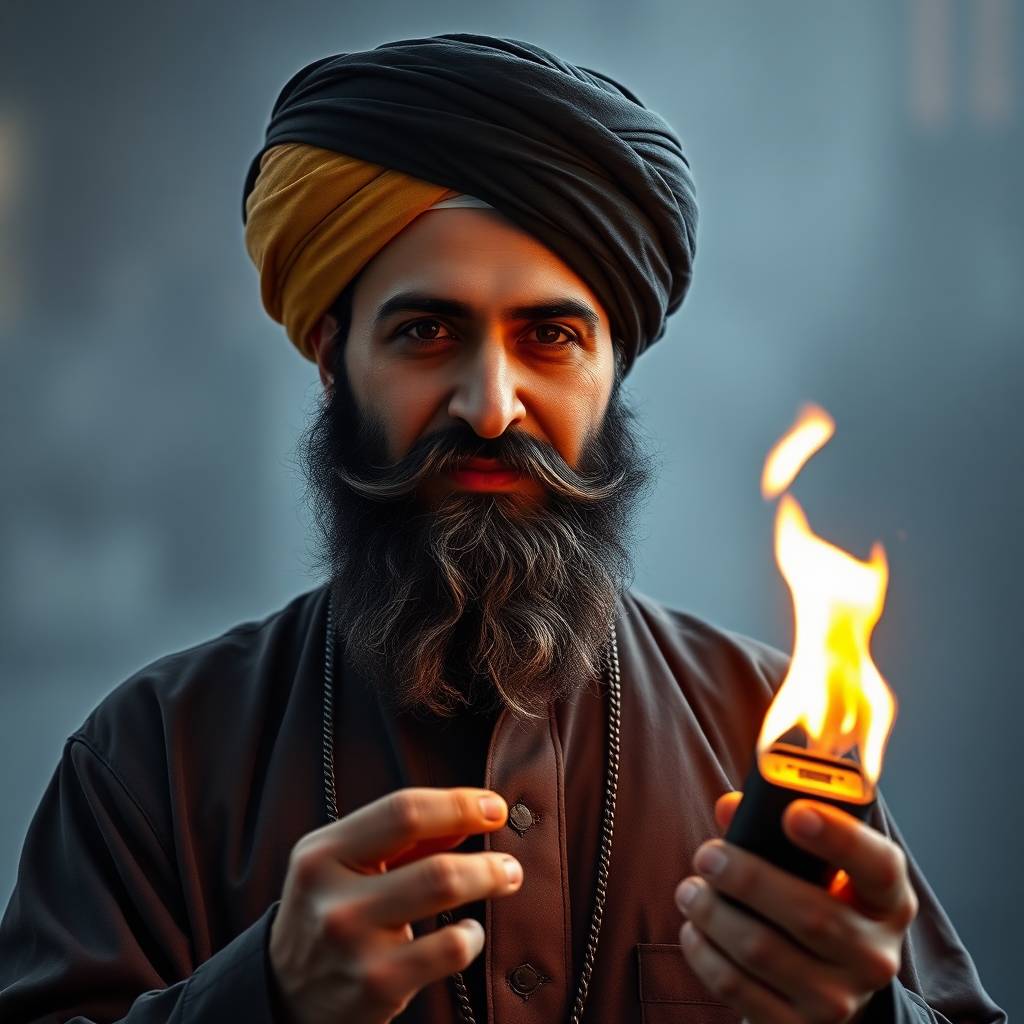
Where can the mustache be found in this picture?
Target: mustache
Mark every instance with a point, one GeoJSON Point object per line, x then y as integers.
{"type": "Point", "coordinates": [448, 448]}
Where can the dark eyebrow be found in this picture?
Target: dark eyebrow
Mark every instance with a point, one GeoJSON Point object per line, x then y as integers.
{"type": "Point", "coordinates": [558, 310]}
{"type": "Point", "coordinates": [412, 302]}
{"type": "Point", "coordinates": [416, 302]}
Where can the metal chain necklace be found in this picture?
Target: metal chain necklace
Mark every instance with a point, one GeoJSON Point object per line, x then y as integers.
{"type": "Point", "coordinates": [611, 784]}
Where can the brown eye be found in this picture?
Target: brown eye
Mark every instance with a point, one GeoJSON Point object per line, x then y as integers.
{"type": "Point", "coordinates": [550, 334]}
{"type": "Point", "coordinates": [427, 330]}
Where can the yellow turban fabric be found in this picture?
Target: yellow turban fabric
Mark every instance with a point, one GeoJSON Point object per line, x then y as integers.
{"type": "Point", "coordinates": [315, 218]}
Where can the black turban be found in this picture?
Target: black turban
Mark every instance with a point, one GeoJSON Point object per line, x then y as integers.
{"type": "Point", "coordinates": [568, 154]}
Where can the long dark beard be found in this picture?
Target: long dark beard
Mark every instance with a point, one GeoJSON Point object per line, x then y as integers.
{"type": "Point", "coordinates": [485, 599]}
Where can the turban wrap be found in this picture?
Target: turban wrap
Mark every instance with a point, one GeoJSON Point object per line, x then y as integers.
{"type": "Point", "coordinates": [360, 144]}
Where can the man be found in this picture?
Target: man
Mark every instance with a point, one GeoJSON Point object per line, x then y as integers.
{"type": "Point", "coordinates": [466, 780]}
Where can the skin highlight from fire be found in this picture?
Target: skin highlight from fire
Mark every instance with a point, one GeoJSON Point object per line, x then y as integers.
{"type": "Point", "coordinates": [464, 317]}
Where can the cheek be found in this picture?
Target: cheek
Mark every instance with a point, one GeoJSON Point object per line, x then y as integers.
{"type": "Point", "coordinates": [408, 404]}
{"type": "Point", "coordinates": [403, 401]}
{"type": "Point", "coordinates": [572, 411]}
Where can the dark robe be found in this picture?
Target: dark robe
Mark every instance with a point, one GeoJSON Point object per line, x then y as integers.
{"type": "Point", "coordinates": [150, 872]}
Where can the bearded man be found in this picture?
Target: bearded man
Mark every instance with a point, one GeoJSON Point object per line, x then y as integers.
{"type": "Point", "coordinates": [474, 740]}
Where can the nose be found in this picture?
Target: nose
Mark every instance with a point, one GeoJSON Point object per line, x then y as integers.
{"type": "Point", "coordinates": [486, 394]}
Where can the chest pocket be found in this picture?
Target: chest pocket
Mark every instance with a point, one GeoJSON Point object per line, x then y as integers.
{"type": "Point", "coordinates": [670, 993]}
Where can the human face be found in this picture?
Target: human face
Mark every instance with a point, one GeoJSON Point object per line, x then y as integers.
{"type": "Point", "coordinates": [463, 316]}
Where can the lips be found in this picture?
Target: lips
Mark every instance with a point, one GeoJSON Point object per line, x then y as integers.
{"type": "Point", "coordinates": [485, 475]}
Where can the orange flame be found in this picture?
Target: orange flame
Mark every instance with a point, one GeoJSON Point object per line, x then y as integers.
{"type": "Point", "coordinates": [833, 691]}
{"type": "Point", "coordinates": [812, 429]}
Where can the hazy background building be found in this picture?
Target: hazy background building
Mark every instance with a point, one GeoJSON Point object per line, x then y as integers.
{"type": "Point", "coordinates": [861, 244]}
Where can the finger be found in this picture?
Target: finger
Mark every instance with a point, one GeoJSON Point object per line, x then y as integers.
{"type": "Point", "coordinates": [725, 808]}
{"type": "Point", "coordinates": [424, 849]}
{"type": "Point", "coordinates": [395, 977]}
{"type": "Point", "coordinates": [731, 985]}
{"type": "Point", "coordinates": [827, 927]}
{"type": "Point", "coordinates": [817, 989]}
{"type": "Point", "coordinates": [876, 866]}
{"type": "Point", "coordinates": [430, 886]}
{"type": "Point", "coordinates": [389, 827]}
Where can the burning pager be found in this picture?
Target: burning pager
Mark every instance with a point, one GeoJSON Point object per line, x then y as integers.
{"type": "Point", "coordinates": [781, 775]}
{"type": "Point", "coordinates": [825, 732]}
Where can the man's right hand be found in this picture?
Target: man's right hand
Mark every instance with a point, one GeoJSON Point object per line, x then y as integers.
{"type": "Point", "coordinates": [342, 946]}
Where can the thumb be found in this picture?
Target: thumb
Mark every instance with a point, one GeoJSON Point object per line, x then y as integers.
{"type": "Point", "coordinates": [725, 808]}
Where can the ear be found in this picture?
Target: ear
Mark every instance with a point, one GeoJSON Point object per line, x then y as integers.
{"type": "Point", "coordinates": [321, 340]}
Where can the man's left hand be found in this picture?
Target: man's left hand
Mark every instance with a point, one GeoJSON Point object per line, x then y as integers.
{"type": "Point", "coordinates": [818, 955]}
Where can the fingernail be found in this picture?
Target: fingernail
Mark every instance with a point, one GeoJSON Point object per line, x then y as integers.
{"type": "Point", "coordinates": [492, 807]}
{"type": "Point", "coordinates": [475, 933]}
{"type": "Point", "coordinates": [688, 936]}
{"type": "Point", "coordinates": [513, 870]}
{"type": "Point", "coordinates": [711, 860]}
{"type": "Point", "coordinates": [806, 823]}
{"type": "Point", "coordinates": [685, 894]}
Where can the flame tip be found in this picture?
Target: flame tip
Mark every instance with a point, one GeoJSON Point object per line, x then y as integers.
{"type": "Point", "coordinates": [812, 428]}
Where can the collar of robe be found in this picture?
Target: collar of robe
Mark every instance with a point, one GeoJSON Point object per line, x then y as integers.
{"type": "Point", "coordinates": [611, 782]}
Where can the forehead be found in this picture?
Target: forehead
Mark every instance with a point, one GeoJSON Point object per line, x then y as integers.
{"type": "Point", "coordinates": [478, 256]}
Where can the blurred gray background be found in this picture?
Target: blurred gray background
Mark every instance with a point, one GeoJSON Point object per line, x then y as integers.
{"type": "Point", "coordinates": [860, 171]}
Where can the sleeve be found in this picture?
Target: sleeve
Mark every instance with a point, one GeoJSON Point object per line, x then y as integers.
{"type": "Point", "coordinates": [97, 917]}
{"type": "Point", "coordinates": [938, 982]}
